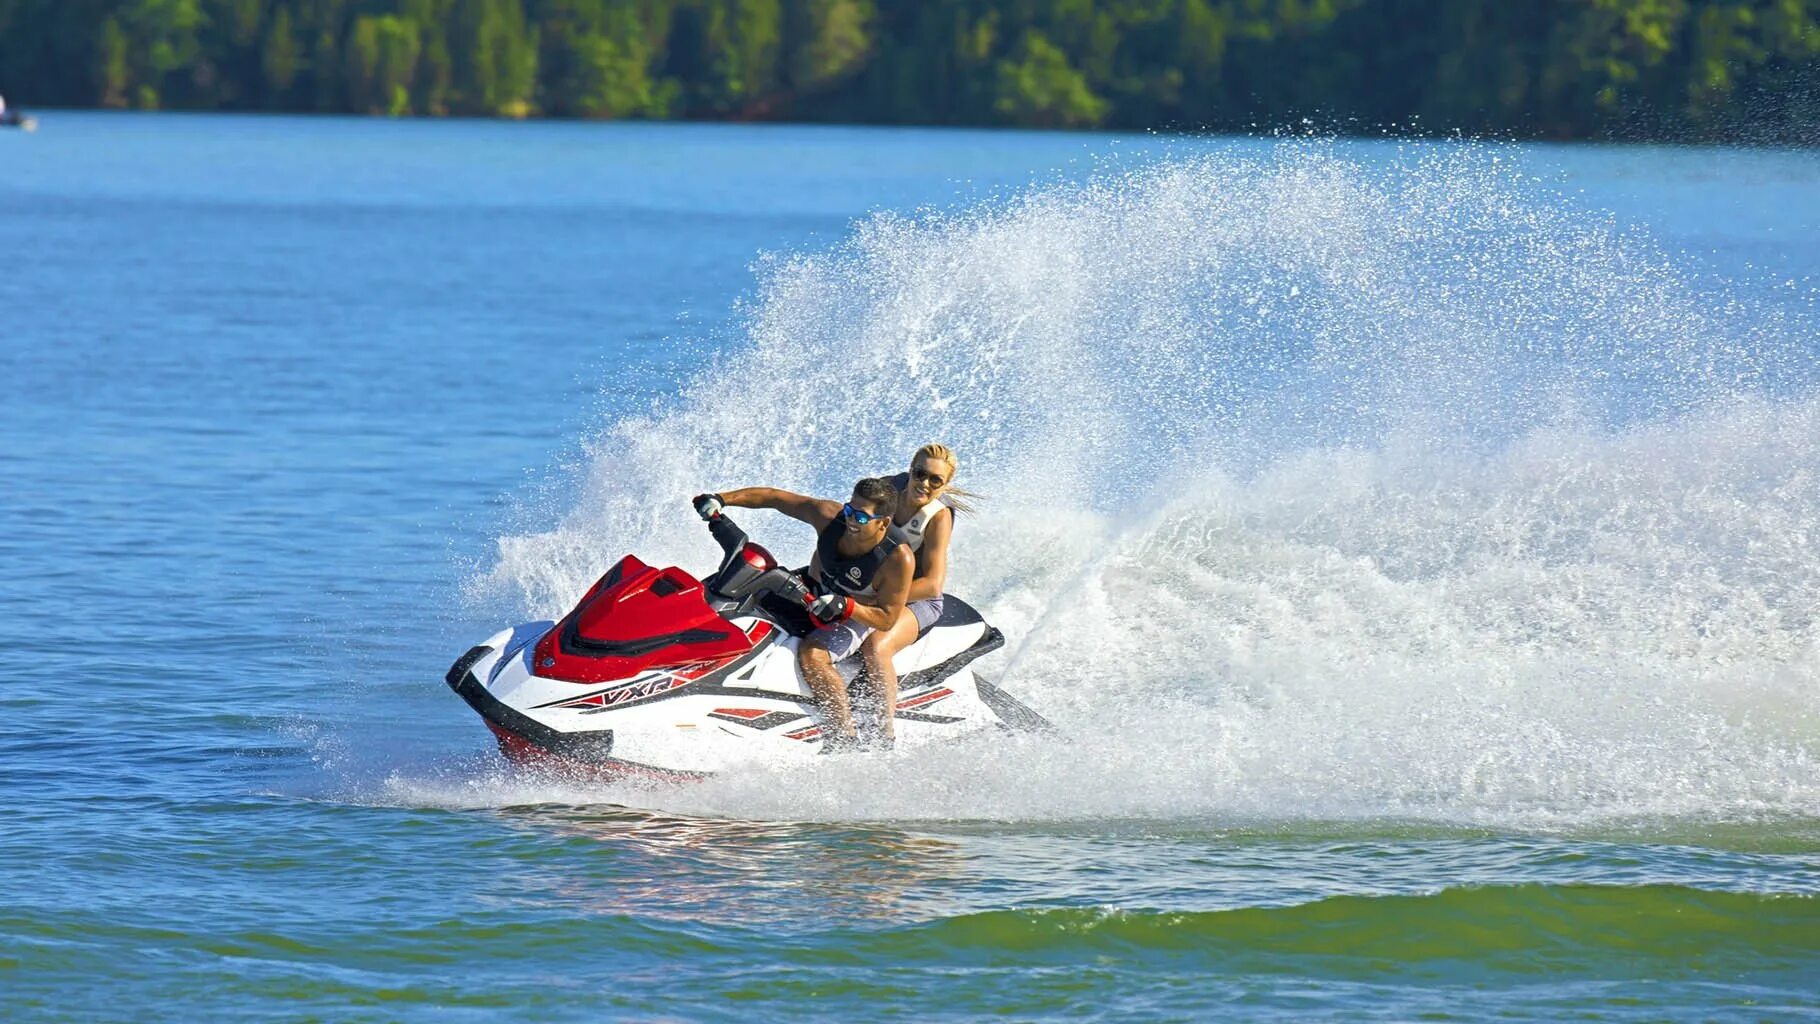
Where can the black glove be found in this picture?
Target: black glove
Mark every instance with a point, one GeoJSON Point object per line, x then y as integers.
{"type": "Point", "coordinates": [708, 506]}
{"type": "Point", "coordinates": [831, 608]}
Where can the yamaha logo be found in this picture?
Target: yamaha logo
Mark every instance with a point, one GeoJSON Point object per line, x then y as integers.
{"type": "Point", "coordinates": [853, 573]}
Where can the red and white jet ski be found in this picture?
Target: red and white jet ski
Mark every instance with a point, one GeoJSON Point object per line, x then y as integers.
{"type": "Point", "coordinates": [660, 675]}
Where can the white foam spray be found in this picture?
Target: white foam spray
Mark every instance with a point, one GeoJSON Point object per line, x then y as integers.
{"type": "Point", "coordinates": [1316, 488]}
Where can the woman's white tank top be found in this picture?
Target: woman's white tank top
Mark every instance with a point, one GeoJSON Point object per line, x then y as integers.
{"type": "Point", "coordinates": [911, 533]}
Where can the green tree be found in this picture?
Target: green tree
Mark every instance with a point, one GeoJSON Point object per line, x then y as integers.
{"type": "Point", "coordinates": [163, 36]}
{"type": "Point", "coordinates": [279, 58]}
{"type": "Point", "coordinates": [727, 54]}
{"type": "Point", "coordinates": [1037, 86]}
{"type": "Point", "coordinates": [825, 42]}
{"type": "Point", "coordinates": [495, 59]}
{"type": "Point", "coordinates": [113, 75]}
{"type": "Point", "coordinates": [609, 78]}
{"type": "Point", "coordinates": [435, 74]}
{"type": "Point", "coordinates": [1201, 33]}
{"type": "Point", "coordinates": [381, 63]}
{"type": "Point", "coordinates": [598, 58]}
{"type": "Point", "coordinates": [747, 59]}
{"type": "Point", "coordinates": [325, 72]}
{"type": "Point", "coordinates": [230, 70]}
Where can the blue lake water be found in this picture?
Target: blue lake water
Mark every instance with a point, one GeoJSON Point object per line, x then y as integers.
{"type": "Point", "coordinates": [1418, 545]}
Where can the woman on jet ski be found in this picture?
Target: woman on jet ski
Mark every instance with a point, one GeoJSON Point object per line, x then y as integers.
{"type": "Point", "coordinates": [926, 502]}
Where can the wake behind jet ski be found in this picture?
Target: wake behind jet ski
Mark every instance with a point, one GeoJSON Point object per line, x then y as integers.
{"type": "Point", "coordinates": [657, 674]}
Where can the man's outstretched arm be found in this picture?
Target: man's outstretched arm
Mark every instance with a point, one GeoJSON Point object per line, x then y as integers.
{"type": "Point", "coordinates": [817, 512]}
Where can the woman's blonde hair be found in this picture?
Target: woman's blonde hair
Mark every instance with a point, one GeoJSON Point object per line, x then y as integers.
{"type": "Point", "coordinates": [952, 496]}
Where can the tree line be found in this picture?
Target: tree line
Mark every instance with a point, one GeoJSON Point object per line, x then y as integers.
{"type": "Point", "coordinates": [1677, 69]}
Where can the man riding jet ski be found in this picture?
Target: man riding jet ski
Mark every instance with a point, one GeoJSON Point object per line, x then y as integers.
{"type": "Point", "coordinates": [860, 574]}
{"type": "Point", "coordinates": [660, 675]}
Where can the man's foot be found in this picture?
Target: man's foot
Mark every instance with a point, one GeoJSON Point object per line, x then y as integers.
{"type": "Point", "coordinates": [837, 744]}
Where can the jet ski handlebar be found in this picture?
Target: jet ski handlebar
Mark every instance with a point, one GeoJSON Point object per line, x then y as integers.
{"type": "Point", "coordinates": [728, 535]}
{"type": "Point", "coordinates": [747, 571]}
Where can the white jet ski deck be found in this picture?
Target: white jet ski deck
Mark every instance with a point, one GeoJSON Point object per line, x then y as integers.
{"type": "Point", "coordinates": [657, 674]}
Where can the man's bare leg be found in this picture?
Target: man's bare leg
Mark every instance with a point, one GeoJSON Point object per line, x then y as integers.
{"type": "Point", "coordinates": [829, 691]}
{"type": "Point", "coordinates": [876, 653]}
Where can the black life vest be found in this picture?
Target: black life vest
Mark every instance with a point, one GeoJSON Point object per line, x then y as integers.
{"type": "Point", "coordinates": [843, 575]}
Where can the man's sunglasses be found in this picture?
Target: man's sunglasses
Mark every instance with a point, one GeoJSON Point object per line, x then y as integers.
{"type": "Point", "coordinates": [923, 474]}
{"type": "Point", "coordinates": [859, 518]}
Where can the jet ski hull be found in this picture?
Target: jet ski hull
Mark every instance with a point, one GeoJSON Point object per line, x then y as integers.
{"type": "Point", "coordinates": [655, 674]}
{"type": "Point", "coordinates": [752, 708]}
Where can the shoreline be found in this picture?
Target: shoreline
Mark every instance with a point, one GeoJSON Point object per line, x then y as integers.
{"type": "Point", "coordinates": [1287, 133]}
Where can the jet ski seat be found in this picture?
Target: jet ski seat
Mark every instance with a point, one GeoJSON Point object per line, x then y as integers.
{"type": "Point", "coordinates": [955, 612]}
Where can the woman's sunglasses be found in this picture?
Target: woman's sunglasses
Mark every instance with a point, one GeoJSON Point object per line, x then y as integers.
{"type": "Point", "coordinates": [859, 518]}
{"type": "Point", "coordinates": [928, 477]}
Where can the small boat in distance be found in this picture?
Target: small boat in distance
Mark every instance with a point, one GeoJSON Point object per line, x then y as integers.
{"type": "Point", "coordinates": [14, 119]}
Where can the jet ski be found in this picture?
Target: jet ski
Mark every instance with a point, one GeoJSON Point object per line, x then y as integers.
{"type": "Point", "coordinates": [658, 675]}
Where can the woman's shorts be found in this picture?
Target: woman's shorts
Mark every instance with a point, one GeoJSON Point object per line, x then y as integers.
{"type": "Point", "coordinates": [926, 612]}
{"type": "Point", "coordinates": [843, 639]}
